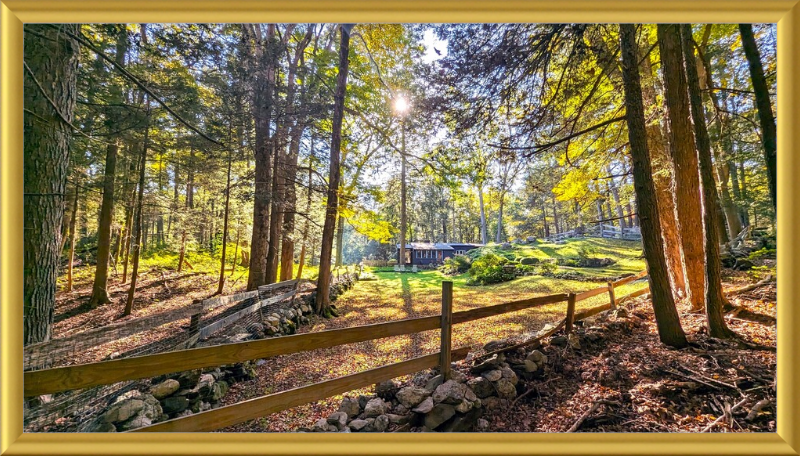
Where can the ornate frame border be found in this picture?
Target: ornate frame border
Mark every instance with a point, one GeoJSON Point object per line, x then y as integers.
{"type": "Point", "coordinates": [13, 13]}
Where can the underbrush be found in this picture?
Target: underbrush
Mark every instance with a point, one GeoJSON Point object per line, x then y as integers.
{"type": "Point", "coordinates": [490, 268]}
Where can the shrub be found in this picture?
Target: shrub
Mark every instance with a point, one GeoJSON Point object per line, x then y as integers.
{"type": "Point", "coordinates": [458, 264]}
{"type": "Point", "coordinates": [761, 253]}
{"type": "Point", "coordinates": [586, 251]}
{"type": "Point", "coordinates": [489, 269]}
{"type": "Point", "coordinates": [547, 267]}
{"type": "Point", "coordinates": [529, 260]}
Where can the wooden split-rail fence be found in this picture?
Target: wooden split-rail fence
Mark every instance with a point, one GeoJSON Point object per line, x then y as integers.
{"type": "Point", "coordinates": [599, 230]}
{"type": "Point", "coordinates": [106, 372]}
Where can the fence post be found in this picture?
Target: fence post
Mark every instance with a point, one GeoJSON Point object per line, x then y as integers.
{"type": "Point", "coordinates": [447, 320]}
{"type": "Point", "coordinates": [570, 313]}
{"type": "Point", "coordinates": [613, 300]}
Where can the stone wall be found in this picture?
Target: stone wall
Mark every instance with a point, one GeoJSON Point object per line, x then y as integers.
{"type": "Point", "coordinates": [427, 403]}
{"type": "Point", "coordinates": [169, 396]}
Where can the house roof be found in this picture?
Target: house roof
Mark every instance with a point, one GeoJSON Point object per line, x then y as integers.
{"type": "Point", "coordinates": [465, 244]}
{"type": "Point", "coordinates": [435, 246]}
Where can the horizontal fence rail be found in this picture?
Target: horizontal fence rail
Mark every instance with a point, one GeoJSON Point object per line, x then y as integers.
{"type": "Point", "coordinates": [485, 312]}
{"type": "Point", "coordinates": [265, 405]}
{"type": "Point", "coordinates": [108, 372]}
{"type": "Point", "coordinates": [105, 372]}
{"type": "Point", "coordinates": [73, 377]}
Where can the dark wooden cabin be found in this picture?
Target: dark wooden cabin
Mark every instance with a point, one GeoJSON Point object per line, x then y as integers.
{"type": "Point", "coordinates": [428, 253]}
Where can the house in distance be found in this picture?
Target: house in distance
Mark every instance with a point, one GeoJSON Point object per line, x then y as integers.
{"type": "Point", "coordinates": [426, 253]}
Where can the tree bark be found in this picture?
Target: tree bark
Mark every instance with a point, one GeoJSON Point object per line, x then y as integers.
{"type": "Point", "coordinates": [264, 59]}
{"type": "Point", "coordinates": [732, 219]}
{"type": "Point", "coordinates": [112, 123]}
{"type": "Point", "coordinates": [544, 218]}
{"type": "Point", "coordinates": [766, 118]}
{"type": "Point", "coordinates": [72, 237]}
{"type": "Point", "coordinates": [615, 193]}
{"type": "Point", "coordinates": [484, 235]}
{"type": "Point", "coordinates": [684, 158]}
{"type": "Point", "coordinates": [137, 234]}
{"type": "Point", "coordinates": [307, 225]}
{"type": "Point", "coordinates": [555, 214]}
{"type": "Point", "coordinates": [52, 59]}
{"type": "Point", "coordinates": [498, 236]}
{"type": "Point", "coordinates": [669, 326]}
{"type": "Point", "coordinates": [715, 299]}
{"type": "Point", "coordinates": [225, 226]}
{"type": "Point", "coordinates": [663, 179]}
{"type": "Point", "coordinates": [403, 198]}
{"type": "Point", "coordinates": [339, 240]}
{"type": "Point", "coordinates": [322, 305]}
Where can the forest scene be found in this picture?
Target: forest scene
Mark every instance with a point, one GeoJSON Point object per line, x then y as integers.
{"type": "Point", "coordinates": [400, 227]}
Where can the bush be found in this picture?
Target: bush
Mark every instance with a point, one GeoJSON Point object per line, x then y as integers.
{"type": "Point", "coordinates": [458, 264]}
{"type": "Point", "coordinates": [586, 251]}
{"type": "Point", "coordinates": [529, 260]}
{"type": "Point", "coordinates": [761, 254]}
{"type": "Point", "coordinates": [489, 269]}
{"type": "Point", "coordinates": [547, 267]}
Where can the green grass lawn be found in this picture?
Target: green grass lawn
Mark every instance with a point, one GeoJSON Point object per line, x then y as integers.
{"type": "Point", "coordinates": [392, 292]}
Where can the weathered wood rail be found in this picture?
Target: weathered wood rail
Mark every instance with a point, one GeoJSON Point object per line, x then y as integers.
{"type": "Point", "coordinates": [107, 372]}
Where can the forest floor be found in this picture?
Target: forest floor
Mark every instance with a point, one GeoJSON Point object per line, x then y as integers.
{"type": "Point", "coordinates": [650, 387]}
{"type": "Point", "coordinates": [629, 362]}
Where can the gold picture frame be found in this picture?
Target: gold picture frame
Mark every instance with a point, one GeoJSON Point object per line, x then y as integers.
{"type": "Point", "coordinates": [13, 13]}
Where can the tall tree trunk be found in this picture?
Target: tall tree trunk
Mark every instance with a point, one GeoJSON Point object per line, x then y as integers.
{"type": "Point", "coordinates": [669, 326]}
{"type": "Point", "coordinates": [663, 179]}
{"type": "Point", "coordinates": [766, 118]}
{"type": "Point", "coordinates": [290, 202]}
{"type": "Point", "coordinates": [129, 192]}
{"type": "Point", "coordinates": [112, 124]}
{"type": "Point", "coordinates": [225, 225]}
{"type": "Point", "coordinates": [617, 202]}
{"type": "Point", "coordinates": [72, 222]}
{"type": "Point", "coordinates": [52, 59]}
{"type": "Point", "coordinates": [733, 171]}
{"type": "Point", "coordinates": [182, 253]}
{"type": "Point", "coordinates": [236, 248]}
{"type": "Point", "coordinates": [715, 299]}
{"type": "Point", "coordinates": [731, 223]}
{"type": "Point", "coordinates": [684, 158]}
{"type": "Point", "coordinates": [555, 214]}
{"type": "Point", "coordinates": [498, 236]}
{"type": "Point", "coordinates": [264, 60]}
{"type": "Point", "coordinates": [307, 224]}
{"type": "Point", "coordinates": [743, 191]}
{"type": "Point", "coordinates": [484, 235]}
{"type": "Point", "coordinates": [137, 227]}
{"type": "Point", "coordinates": [66, 220]}
{"type": "Point", "coordinates": [190, 180]}
{"type": "Point", "coordinates": [339, 241]}
{"type": "Point", "coordinates": [290, 165]}
{"type": "Point", "coordinates": [544, 219]}
{"type": "Point", "coordinates": [403, 199]}
{"type": "Point", "coordinates": [276, 207]}
{"type": "Point", "coordinates": [322, 305]}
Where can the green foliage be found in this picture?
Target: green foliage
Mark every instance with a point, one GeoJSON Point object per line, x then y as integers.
{"type": "Point", "coordinates": [458, 264]}
{"type": "Point", "coordinates": [761, 254]}
{"type": "Point", "coordinates": [529, 260]}
{"type": "Point", "coordinates": [547, 267]}
{"type": "Point", "coordinates": [488, 269]}
{"type": "Point", "coordinates": [586, 251]}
